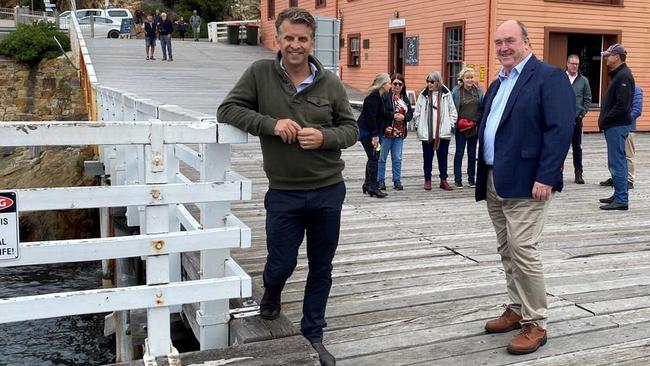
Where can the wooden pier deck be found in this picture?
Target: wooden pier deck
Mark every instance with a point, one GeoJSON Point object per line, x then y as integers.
{"type": "Point", "coordinates": [417, 274]}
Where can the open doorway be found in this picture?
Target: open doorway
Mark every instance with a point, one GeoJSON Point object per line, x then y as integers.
{"type": "Point", "coordinates": [588, 47]}
{"type": "Point", "coordinates": [396, 51]}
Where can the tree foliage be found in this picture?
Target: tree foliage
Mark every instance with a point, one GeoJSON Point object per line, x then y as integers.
{"type": "Point", "coordinates": [31, 43]}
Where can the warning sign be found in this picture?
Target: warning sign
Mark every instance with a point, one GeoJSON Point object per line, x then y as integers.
{"type": "Point", "coordinates": [9, 237]}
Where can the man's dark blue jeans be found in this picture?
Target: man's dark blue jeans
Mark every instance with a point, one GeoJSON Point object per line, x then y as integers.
{"type": "Point", "coordinates": [616, 162]}
{"type": "Point", "coordinates": [289, 215]}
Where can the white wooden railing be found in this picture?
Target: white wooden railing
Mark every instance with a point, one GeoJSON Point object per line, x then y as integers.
{"type": "Point", "coordinates": [146, 150]}
{"type": "Point", "coordinates": [141, 145]}
{"type": "Point", "coordinates": [218, 31]}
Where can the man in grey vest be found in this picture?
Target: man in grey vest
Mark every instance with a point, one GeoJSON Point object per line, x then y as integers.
{"type": "Point", "coordinates": [582, 91]}
{"type": "Point", "coordinates": [195, 22]}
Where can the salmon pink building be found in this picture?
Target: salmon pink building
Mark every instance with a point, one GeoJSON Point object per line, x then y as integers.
{"type": "Point", "coordinates": [416, 36]}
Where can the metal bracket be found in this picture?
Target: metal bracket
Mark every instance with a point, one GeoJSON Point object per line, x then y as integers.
{"type": "Point", "coordinates": [93, 168]}
{"type": "Point", "coordinates": [204, 320]}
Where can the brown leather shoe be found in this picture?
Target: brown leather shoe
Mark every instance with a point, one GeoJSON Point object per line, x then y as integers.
{"type": "Point", "coordinates": [427, 185]}
{"type": "Point", "coordinates": [444, 185]}
{"type": "Point", "coordinates": [528, 340]}
{"type": "Point", "coordinates": [508, 321]}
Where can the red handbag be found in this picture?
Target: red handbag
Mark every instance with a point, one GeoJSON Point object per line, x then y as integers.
{"type": "Point", "coordinates": [465, 124]}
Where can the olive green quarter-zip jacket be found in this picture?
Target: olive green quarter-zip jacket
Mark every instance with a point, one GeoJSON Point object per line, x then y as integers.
{"type": "Point", "coordinates": [264, 94]}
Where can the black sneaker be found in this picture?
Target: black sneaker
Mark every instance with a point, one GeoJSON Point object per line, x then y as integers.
{"type": "Point", "coordinates": [382, 185]}
{"type": "Point", "coordinates": [270, 306]}
{"type": "Point", "coordinates": [325, 358]}
{"type": "Point", "coordinates": [472, 184]}
{"type": "Point", "coordinates": [458, 185]}
{"type": "Point", "coordinates": [609, 199]}
{"type": "Point", "coordinates": [630, 185]}
{"type": "Point", "coordinates": [607, 182]}
{"type": "Point", "coordinates": [397, 185]}
{"type": "Point", "coordinates": [615, 206]}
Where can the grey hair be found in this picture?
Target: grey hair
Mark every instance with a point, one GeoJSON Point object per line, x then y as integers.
{"type": "Point", "coordinates": [573, 55]}
{"type": "Point", "coordinates": [435, 76]}
{"type": "Point", "coordinates": [462, 73]}
{"type": "Point", "coordinates": [296, 16]}
{"type": "Point", "coordinates": [524, 29]}
{"type": "Point", "coordinates": [379, 81]}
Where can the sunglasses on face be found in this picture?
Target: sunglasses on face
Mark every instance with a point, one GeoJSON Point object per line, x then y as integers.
{"type": "Point", "coordinates": [397, 84]}
{"type": "Point", "coordinates": [430, 82]}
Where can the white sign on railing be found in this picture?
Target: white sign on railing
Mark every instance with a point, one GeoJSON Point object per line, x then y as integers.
{"type": "Point", "coordinates": [9, 237]}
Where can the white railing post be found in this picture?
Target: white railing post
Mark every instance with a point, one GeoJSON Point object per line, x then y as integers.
{"type": "Point", "coordinates": [213, 316]}
{"type": "Point", "coordinates": [158, 341]}
{"type": "Point", "coordinates": [173, 166]}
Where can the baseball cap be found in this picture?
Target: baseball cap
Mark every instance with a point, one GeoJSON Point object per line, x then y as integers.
{"type": "Point", "coordinates": [615, 49]}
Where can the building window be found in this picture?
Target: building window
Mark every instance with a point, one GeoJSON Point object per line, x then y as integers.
{"type": "Point", "coordinates": [453, 52]}
{"type": "Point", "coordinates": [354, 49]}
{"type": "Point", "coordinates": [271, 9]}
{"type": "Point", "coordinates": [293, 3]}
{"type": "Point", "coordinates": [321, 3]}
{"type": "Point", "coordinates": [590, 2]}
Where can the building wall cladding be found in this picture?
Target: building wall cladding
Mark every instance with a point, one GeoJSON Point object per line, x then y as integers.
{"type": "Point", "coordinates": [425, 18]}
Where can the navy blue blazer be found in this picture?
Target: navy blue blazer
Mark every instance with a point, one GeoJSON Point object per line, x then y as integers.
{"type": "Point", "coordinates": [534, 133]}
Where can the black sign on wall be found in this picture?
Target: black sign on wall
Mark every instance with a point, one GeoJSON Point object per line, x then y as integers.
{"type": "Point", "coordinates": [412, 50]}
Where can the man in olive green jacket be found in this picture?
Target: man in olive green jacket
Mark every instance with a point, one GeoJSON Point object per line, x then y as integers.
{"type": "Point", "coordinates": [582, 91]}
{"type": "Point", "coordinates": [302, 115]}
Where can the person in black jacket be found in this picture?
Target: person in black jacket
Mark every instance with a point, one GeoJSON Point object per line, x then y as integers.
{"type": "Point", "coordinates": [392, 140]}
{"type": "Point", "coordinates": [615, 119]}
{"type": "Point", "coordinates": [165, 30]}
{"type": "Point", "coordinates": [149, 28]}
{"type": "Point", "coordinates": [371, 125]}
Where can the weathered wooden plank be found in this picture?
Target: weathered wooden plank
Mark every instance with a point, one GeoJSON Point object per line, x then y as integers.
{"type": "Point", "coordinates": [456, 340]}
{"type": "Point", "coordinates": [628, 353]}
{"type": "Point", "coordinates": [290, 351]}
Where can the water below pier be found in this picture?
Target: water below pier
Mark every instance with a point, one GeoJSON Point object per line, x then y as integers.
{"type": "Point", "coordinates": [70, 340]}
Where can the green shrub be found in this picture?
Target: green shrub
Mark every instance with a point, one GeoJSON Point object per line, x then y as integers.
{"type": "Point", "coordinates": [31, 43]}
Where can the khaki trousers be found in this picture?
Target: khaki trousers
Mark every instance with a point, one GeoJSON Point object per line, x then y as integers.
{"type": "Point", "coordinates": [518, 224]}
{"type": "Point", "coordinates": [629, 155]}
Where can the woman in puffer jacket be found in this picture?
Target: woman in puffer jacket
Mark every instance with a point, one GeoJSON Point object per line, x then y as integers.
{"type": "Point", "coordinates": [371, 126]}
{"type": "Point", "coordinates": [435, 118]}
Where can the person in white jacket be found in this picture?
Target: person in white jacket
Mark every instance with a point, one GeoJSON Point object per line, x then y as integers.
{"type": "Point", "coordinates": [435, 117]}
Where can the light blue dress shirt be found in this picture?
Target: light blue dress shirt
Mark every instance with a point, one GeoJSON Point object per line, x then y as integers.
{"type": "Point", "coordinates": [310, 79]}
{"type": "Point", "coordinates": [498, 106]}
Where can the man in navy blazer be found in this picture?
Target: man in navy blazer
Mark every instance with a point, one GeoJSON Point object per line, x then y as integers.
{"type": "Point", "coordinates": [524, 137]}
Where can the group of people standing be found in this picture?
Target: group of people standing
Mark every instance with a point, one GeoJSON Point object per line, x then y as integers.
{"type": "Point", "coordinates": [158, 26]}
{"type": "Point", "coordinates": [439, 115]}
{"type": "Point", "coordinates": [524, 126]}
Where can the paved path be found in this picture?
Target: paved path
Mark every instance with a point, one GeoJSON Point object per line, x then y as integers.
{"type": "Point", "coordinates": [416, 274]}
{"type": "Point", "coordinates": [200, 76]}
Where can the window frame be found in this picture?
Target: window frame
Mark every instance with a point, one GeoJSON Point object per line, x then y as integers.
{"type": "Point", "coordinates": [320, 3]}
{"type": "Point", "coordinates": [445, 61]}
{"type": "Point", "coordinates": [293, 3]}
{"type": "Point", "coordinates": [270, 9]}
{"type": "Point", "coordinates": [350, 54]}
